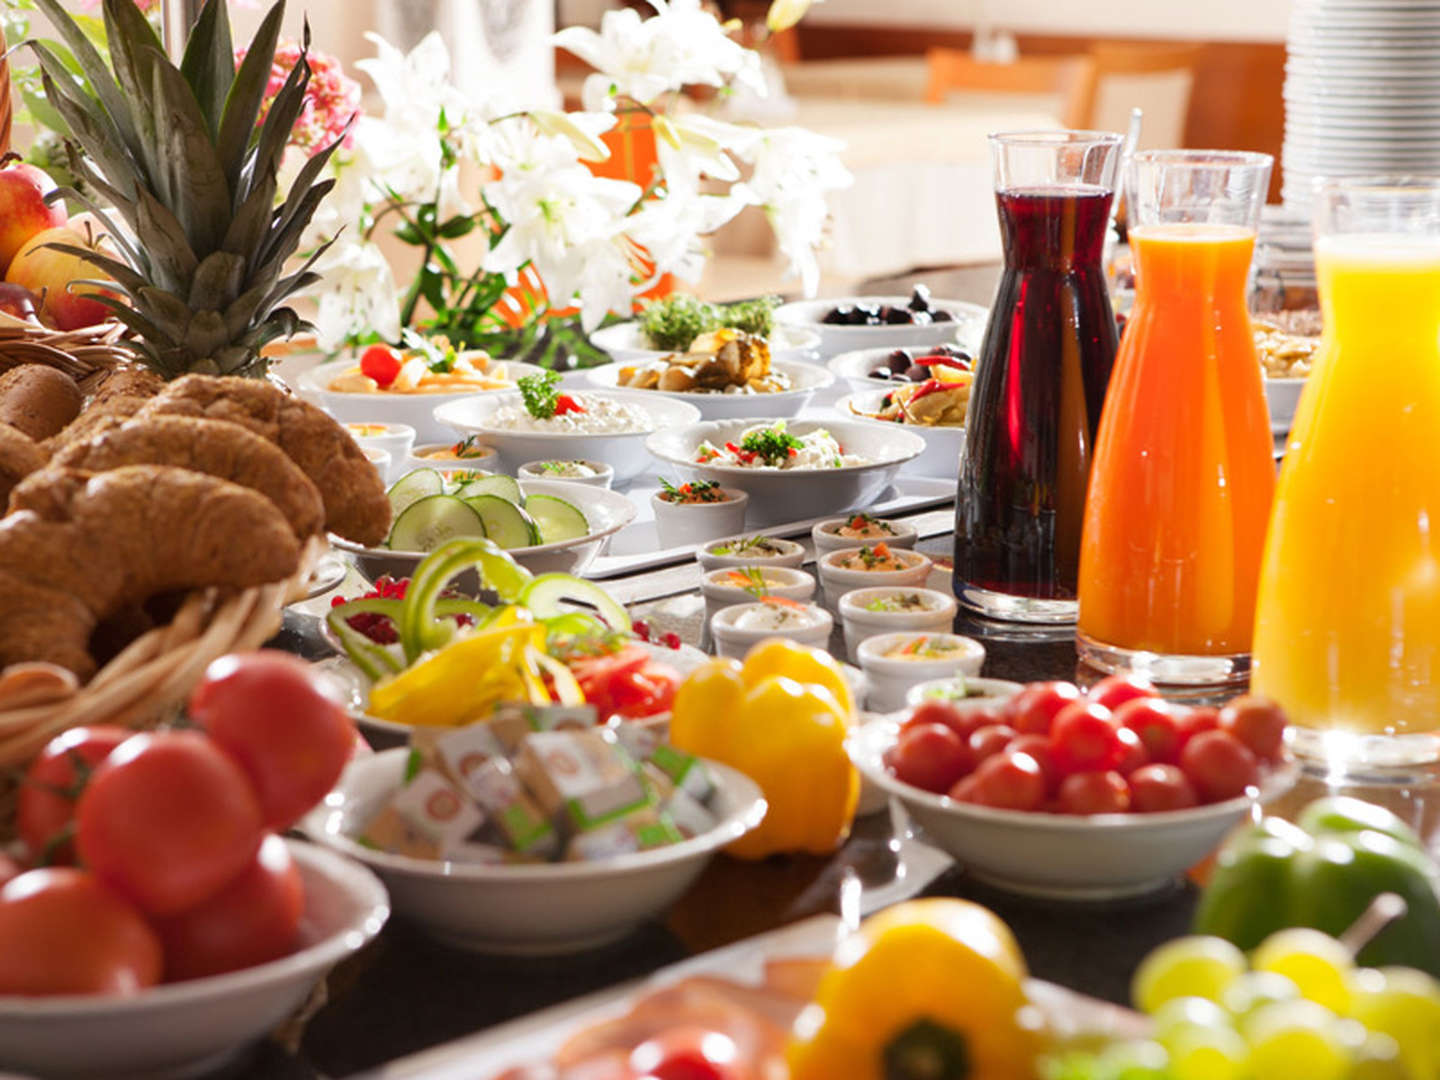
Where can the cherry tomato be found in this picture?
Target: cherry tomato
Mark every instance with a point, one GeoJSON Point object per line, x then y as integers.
{"type": "Point", "coordinates": [1033, 709]}
{"type": "Point", "coordinates": [1116, 690]}
{"type": "Point", "coordinates": [989, 740]}
{"type": "Point", "coordinates": [1194, 721]}
{"type": "Point", "coordinates": [254, 919]}
{"type": "Point", "coordinates": [687, 1054]}
{"type": "Point", "coordinates": [271, 713]}
{"type": "Point", "coordinates": [1257, 722]}
{"type": "Point", "coordinates": [168, 821]}
{"type": "Point", "coordinates": [965, 789]}
{"type": "Point", "coordinates": [1094, 793]}
{"type": "Point", "coordinates": [1158, 725]}
{"type": "Point", "coordinates": [1135, 754]}
{"type": "Point", "coordinates": [1084, 739]}
{"type": "Point", "coordinates": [381, 363]}
{"type": "Point", "coordinates": [1009, 781]}
{"type": "Point", "coordinates": [62, 932]}
{"type": "Point", "coordinates": [1156, 788]}
{"type": "Point", "coordinates": [931, 757]}
{"type": "Point", "coordinates": [959, 720]}
{"type": "Point", "coordinates": [1038, 748]}
{"type": "Point", "coordinates": [1219, 765]}
{"type": "Point", "coordinates": [45, 810]}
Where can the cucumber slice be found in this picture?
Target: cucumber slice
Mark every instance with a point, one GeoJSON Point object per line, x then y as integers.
{"type": "Point", "coordinates": [427, 523]}
{"type": "Point", "coordinates": [505, 523]}
{"type": "Point", "coordinates": [545, 594]}
{"type": "Point", "coordinates": [412, 487]}
{"type": "Point", "coordinates": [504, 486]}
{"type": "Point", "coordinates": [557, 519]}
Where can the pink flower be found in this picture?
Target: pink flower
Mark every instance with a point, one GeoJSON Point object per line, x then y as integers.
{"type": "Point", "coordinates": [331, 99]}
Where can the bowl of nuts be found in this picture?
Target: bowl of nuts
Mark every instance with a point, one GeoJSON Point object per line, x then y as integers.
{"type": "Point", "coordinates": [1286, 343]}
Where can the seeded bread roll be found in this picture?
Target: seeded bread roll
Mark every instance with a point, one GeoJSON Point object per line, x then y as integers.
{"type": "Point", "coordinates": [38, 401]}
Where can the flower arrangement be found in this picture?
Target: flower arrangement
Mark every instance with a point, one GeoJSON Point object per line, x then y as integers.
{"type": "Point", "coordinates": [556, 239]}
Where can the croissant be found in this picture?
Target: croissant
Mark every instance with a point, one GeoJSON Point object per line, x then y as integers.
{"type": "Point", "coordinates": [216, 447]}
{"type": "Point", "coordinates": [86, 546]}
{"type": "Point", "coordinates": [38, 400]}
{"type": "Point", "coordinates": [19, 457]}
{"type": "Point", "coordinates": [100, 416]}
{"type": "Point", "coordinates": [356, 506]}
{"type": "Point", "coordinates": [127, 381]}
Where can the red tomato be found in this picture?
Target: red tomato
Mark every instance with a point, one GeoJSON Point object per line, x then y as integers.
{"type": "Point", "coordinates": [931, 757]}
{"type": "Point", "coordinates": [271, 712]}
{"type": "Point", "coordinates": [1094, 793]}
{"type": "Point", "coordinates": [965, 789]}
{"type": "Point", "coordinates": [45, 810]}
{"type": "Point", "coordinates": [1033, 709]}
{"type": "Point", "coordinates": [1116, 690]}
{"type": "Point", "coordinates": [1160, 787]}
{"type": "Point", "coordinates": [1009, 781]}
{"type": "Point", "coordinates": [961, 721]}
{"type": "Point", "coordinates": [627, 683]}
{"type": "Point", "coordinates": [1219, 765]}
{"type": "Point", "coordinates": [989, 740]}
{"type": "Point", "coordinates": [168, 821]}
{"type": "Point", "coordinates": [1038, 748]}
{"type": "Point", "coordinates": [62, 932]}
{"type": "Point", "coordinates": [254, 919]}
{"type": "Point", "coordinates": [1135, 753]}
{"type": "Point", "coordinates": [1257, 722]}
{"type": "Point", "coordinates": [1084, 739]}
{"type": "Point", "coordinates": [381, 363]}
{"type": "Point", "coordinates": [1192, 722]}
{"type": "Point", "coordinates": [9, 869]}
{"type": "Point", "coordinates": [687, 1054]}
{"type": "Point", "coordinates": [1158, 725]}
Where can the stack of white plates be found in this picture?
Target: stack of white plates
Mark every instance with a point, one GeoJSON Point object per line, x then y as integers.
{"type": "Point", "coordinates": [1362, 91]}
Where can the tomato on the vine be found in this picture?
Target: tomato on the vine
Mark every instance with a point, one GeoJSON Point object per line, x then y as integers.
{"type": "Point", "coordinates": [45, 807]}
{"type": "Point", "coordinates": [382, 364]}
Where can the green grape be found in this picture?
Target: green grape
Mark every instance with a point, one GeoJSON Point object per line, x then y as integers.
{"type": "Point", "coordinates": [1314, 961]}
{"type": "Point", "coordinates": [1187, 967]}
{"type": "Point", "coordinates": [1256, 988]}
{"type": "Point", "coordinates": [1292, 1039]}
{"type": "Point", "coordinates": [1209, 1054]}
{"type": "Point", "coordinates": [1404, 1004]}
{"type": "Point", "coordinates": [1135, 1061]}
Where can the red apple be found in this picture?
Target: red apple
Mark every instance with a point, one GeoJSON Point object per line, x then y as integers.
{"type": "Point", "coordinates": [48, 273]}
{"type": "Point", "coordinates": [23, 210]}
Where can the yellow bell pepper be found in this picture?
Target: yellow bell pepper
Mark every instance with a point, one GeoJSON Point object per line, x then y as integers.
{"type": "Point", "coordinates": [926, 990]}
{"type": "Point", "coordinates": [804, 664]}
{"type": "Point", "coordinates": [785, 734]}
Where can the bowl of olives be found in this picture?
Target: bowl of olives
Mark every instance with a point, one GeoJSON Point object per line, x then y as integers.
{"type": "Point", "coordinates": [885, 368]}
{"type": "Point", "coordinates": [914, 321]}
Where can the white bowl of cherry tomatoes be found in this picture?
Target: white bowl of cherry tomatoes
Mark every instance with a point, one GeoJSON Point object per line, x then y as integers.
{"type": "Point", "coordinates": [1062, 794]}
{"type": "Point", "coordinates": [193, 928]}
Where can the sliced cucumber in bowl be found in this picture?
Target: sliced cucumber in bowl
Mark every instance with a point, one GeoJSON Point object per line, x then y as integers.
{"type": "Point", "coordinates": [505, 523]}
{"type": "Point", "coordinates": [429, 521]}
{"type": "Point", "coordinates": [503, 486]}
{"type": "Point", "coordinates": [556, 518]}
{"type": "Point", "coordinates": [412, 487]}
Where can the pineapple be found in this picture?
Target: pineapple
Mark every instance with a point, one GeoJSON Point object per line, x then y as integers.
{"type": "Point", "coordinates": [177, 153]}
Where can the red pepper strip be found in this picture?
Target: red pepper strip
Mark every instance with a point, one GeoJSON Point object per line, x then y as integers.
{"type": "Point", "coordinates": [945, 361]}
{"type": "Point", "coordinates": [567, 404]}
{"type": "Point", "coordinates": [926, 388]}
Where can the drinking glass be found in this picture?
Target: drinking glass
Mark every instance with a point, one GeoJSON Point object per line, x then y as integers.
{"type": "Point", "coordinates": [1347, 630]}
{"type": "Point", "coordinates": [1184, 463]}
{"type": "Point", "coordinates": [1040, 380]}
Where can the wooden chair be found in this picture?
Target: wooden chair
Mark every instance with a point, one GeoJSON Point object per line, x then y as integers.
{"type": "Point", "coordinates": [1069, 78]}
{"type": "Point", "coordinates": [1165, 121]}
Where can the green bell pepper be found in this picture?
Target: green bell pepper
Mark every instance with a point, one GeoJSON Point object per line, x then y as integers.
{"type": "Point", "coordinates": [1323, 872]}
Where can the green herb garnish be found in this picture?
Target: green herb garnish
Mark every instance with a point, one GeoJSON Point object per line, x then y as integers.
{"type": "Point", "coordinates": [772, 445]}
{"type": "Point", "coordinates": [739, 547]}
{"type": "Point", "coordinates": [439, 361]}
{"type": "Point", "coordinates": [540, 392]}
{"type": "Point", "coordinates": [674, 323]}
{"type": "Point", "coordinates": [696, 491]}
{"type": "Point", "coordinates": [751, 316]}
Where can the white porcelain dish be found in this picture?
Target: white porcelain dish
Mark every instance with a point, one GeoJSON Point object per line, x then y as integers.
{"type": "Point", "coordinates": [546, 909]}
{"type": "Point", "coordinates": [486, 462]}
{"type": "Point", "coordinates": [1060, 856]}
{"type": "Point", "coordinates": [837, 580]}
{"type": "Point", "coordinates": [607, 512]}
{"type": "Point", "coordinates": [626, 345]}
{"type": "Point", "coordinates": [965, 693]}
{"type": "Point", "coordinates": [809, 624]}
{"type": "Point", "coordinates": [196, 1027]}
{"type": "Point", "coordinates": [806, 380]}
{"type": "Point", "coordinates": [855, 366]}
{"type": "Point", "coordinates": [789, 553]}
{"type": "Point", "coordinates": [807, 315]}
{"type": "Point", "coordinates": [678, 524]}
{"type": "Point", "coordinates": [625, 452]}
{"type": "Point", "coordinates": [416, 410]}
{"type": "Point", "coordinates": [721, 591]}
{"type": "Point", "coordinates": [941, 456]}
{"type": "Point", "coordinates": [532, 470]}
{"type": "Point", "coordinates": [862, 616]}
{"type": "Point", "coordinates": [1283, 395]}
{"type": "Point", "coordinates": [778, 495]}
{"type": "Point", "coordinates": [395, 439]}
{"type": "Point", "coordinates": [381, 459]}
{"type": "Point", "coordinates": [890, 679]}
{"type": "Point", "coordinates": [826, 537]}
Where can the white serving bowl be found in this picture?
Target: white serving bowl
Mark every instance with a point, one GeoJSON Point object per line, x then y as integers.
{"type": "Point", "coordinates": [626, 345]}
{"type": "Point", "coordinates": [890, 679]}
{"type": "Point", "coordinates": [837, 580]}
{"type": "Point", "coordinates": [384, 464]}
{"type": "Point", "coordinates": [979, 693]}
{"type": "Point", "coordinates": [859, 622]}
{"type": "Point", "coordinates": [1283, 395]}
{"type": "Point", "coordinates": [625, 452]}
{"type": "Point", "coordinates": [680, 524]}
{"type": "Point", "coordinates": [825, 538]}
{"type": "Point", "coordinates": [551, 908]}
{"type": "Point", "coordinates": [607, 511]}
{"type": "Point", "coordinates": [416, 410]}
{"type": "Point", "coordinates": [1060, 856]}
{"type": "Point", "coordinates": [792, 554]}
{"type": "Point", "coordinates": [604, 474]}
{"type": "Point", "coordinates": [735, 641]}
{"type": "Point", "coordinates": [194, 1027]}
{"type": "Point", "coordinates": [395, 439]}
{"type": "Point", "coordinates": [487, 462]}
{"type": "Point", "coordinates": [778, 495]}
{"type": "Point", "coordinates": [807, 315]}
{"type": "Point", "coordinates": [806, 380]}
{"type": "Point", "coordinates": [855, 366]}
{"type": "Point", "coordinates": [941, 456]}
{"type": "Point", "coordinates": [783, 581]}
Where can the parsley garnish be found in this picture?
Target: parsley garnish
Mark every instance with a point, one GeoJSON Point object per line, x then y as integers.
{"type": "Point", "coordinates": [441, 363]}
{"type": "Point", "coordinates": [701, 491]}
{"type": "Point", "coordinates": [540, 393]}
{"type": "Point", "coordinates": [773, 446]}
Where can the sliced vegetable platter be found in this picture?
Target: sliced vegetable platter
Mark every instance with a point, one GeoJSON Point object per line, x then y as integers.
{"type": "Point", "coordinates": [430, 508]}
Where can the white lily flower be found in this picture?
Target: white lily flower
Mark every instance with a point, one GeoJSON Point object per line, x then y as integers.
{"type": "Point", "coordinates": [620, 54]}
{"type": "Point", "coordinates": [415, 86]}
{"type": "Point", "coordinates": [583, 129]}
{"type": "Point", "coordinates": [598, 274]}
{"type": "Point", "coordinates": [672, 231]}
{"type": "Point", "coordinates": [784, 14]}
{"type": "Point", "coordinates": [693, 146]}
{"type": "Point", "coordinates": [356, 295]}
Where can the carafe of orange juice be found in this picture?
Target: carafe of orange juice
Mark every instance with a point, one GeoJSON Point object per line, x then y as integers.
{"type": "Point", "coordinates": [1184, 465]}
{"type": "Point", "coordinates": [1347, 629]}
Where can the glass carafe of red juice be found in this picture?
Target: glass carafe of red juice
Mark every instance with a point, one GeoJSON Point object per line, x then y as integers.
{"type": "Point", "coordinates": [1040, 381]}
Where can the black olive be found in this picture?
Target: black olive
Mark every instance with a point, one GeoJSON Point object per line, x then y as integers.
{"type": "Point", "coordinates": [838, 316]}
{"type": "Point", "coordinates": [899, 361]}
{"type": "Point", "coordinates": [897, 316]}
{"type": "Point", "coordinates": [941, 315]}
{"type": "Point", "coordinates": [921, 318]}
{"type": "Point", "coordinates": [866, 315]}
{"type": "Point", "coordinates": [880, 373]}
{"type": "Point", "coordinates": [920, 298]}
{"type": "Point", "coordinates": [916, 373]}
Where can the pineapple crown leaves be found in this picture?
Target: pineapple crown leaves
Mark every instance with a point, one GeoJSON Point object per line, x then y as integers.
{"type": "Point", "coordinates": [181, 154]}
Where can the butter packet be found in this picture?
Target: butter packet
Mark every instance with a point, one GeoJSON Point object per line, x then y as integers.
{"type": "Point", "coordinates": [686, 771]}
{"type": "Point", "coordinates": [428, 807]}
{"type": "Point", "coordinates": [640, 831]}
{"type": "Point", "coordinates": [514, 720]}
{"type": "Point", "coordinates": [582, 778]}
{"type": "Point", "coordinates": [457, 752]}
{"type": "Point", "coordinates": [496, 789]}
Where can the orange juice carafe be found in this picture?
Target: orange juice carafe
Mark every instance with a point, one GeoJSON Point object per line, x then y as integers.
{"type": "Point", "coordinates": [1184, 466]}
{"type": "Point", "coordinates": [1347, 630]}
